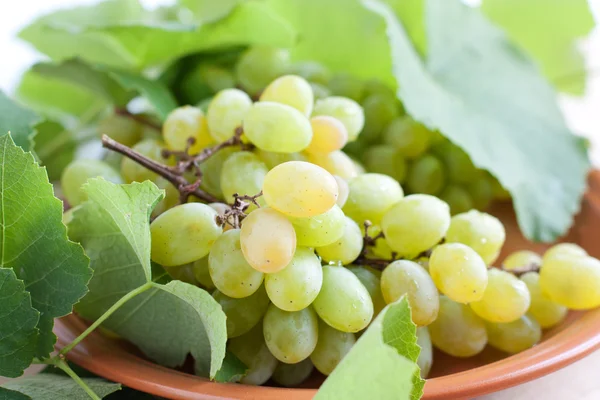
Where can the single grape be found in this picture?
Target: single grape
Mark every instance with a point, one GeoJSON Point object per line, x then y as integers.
{"type": "Point", "coordinates": [505, 299]}
{"type": "Point", "coordinates": [171, 198]}
{"type": "Point", "coordinates": [383, 159]}
{"type": "Point", "coordinates": [320, 230]}
{"type": "Point", "coordinates": [184, 123]}
{"type": "Point", "coordinates": [521, 259]}
{"type": "Point", "coordinates": [375, 86]}
{"type": "Point", "coordinates": [346, 110]}
{"type": "Point", "coordinates": [332, 347]}
{"type": "Point", "coordinates": [259, 65]}
{"type": "Point", "coordinates": [380, 109]}
{"type": "Point", "coordinates": [457, 198]}
{"type": "Point", "coordinates": [408, 136]}
{"type": "Point", "coordinates": [291, 336]}
{"type": "Point", "coordinates": [459, 166]}
{"type": "Point", "coordinates": [571, 280]}
{"type": "Point", "coordinates": [458, 272]}
{"type": "Point", "coordinates": [329, 134]}
{"type": "Point", "coordinates": [564, 250]}
{"type": "Point", "coordinates": [184, 234]}
{"type": "Point", "coordinates": [292, 90]}
{"type": "Point", "coordinates": [426, 175]}
{"type": "Point", "coordinates": [184, 273]}
{"type": "Point", "coordinates": [243, 173]}
{"type": "Point", "coordinates": [134, 172]}
{"type": "Point", "coordinates": [272, 159]}
{"type": "Point", "coordinates": [346, 85]}
{"type": "Point", "coordinates": [481, 193]}
{"type": "Point", "coordinates": [202, 274]}
{"type": "Point", "coordinates": [336, 163]}
{"type": "Point", "coordinates": [370, 279]}
{"type": "Point", "coordinates": [347, 248]}
{"type": "Point", "coordinates": [311, 71]}
{"type": "Point", "coordinates": [291, 375]}
{"type": "Point", "coordinates": [344, 303]}
{"type": "Point", "coordinates": [343, 191]}
{"type": "Point", "coordinates": [76, 174]}
{"type": "Point", "coordinates": [226, 112]}
{"type": "Point", "coordinates": [514, 337]}
{"type": "Point", "coordinates": [121, 128]}
{"type": "Point", "coordinates": [252, 350]}
{"type": "Point", "coordinates": [371, 196]}
{"type": "Point", "coordinates": [425, 359]}
{"type": "Point", "coordinates": [243, 314]}
{"type": "Point", "coordinates": [211, 170]}
{"type": "Point", "coordinates": [407, 278]}
{"type": "Point", "coordinates": [204, 80]}
{"type": "Point", "coordinates": [545, 311]}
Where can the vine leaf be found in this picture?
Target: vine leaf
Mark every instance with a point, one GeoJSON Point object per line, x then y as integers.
{"type": "Point", "coordinates": [58, 387]}
{"type": "Point", "coordinates": [18, 121]}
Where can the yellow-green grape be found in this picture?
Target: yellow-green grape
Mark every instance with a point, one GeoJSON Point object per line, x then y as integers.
{"type": "Point", "coordinates": [243, 314]}
{"type": "Point", "coordinates": [76, 174]}
{"type": "Point", "coordinates": [347, 248]}
{"type": "Point", "coordinates": [184, 273]}
{"type": "Point", "coordinates": [226, 112]}
{"type": "Point", "coordinates": [273, 159]}
{"type": "Point", "coordinates": [482, 232]}
{"type": "Point", "coordinates": [521, 259]}
{"type": "Point", "coordinates": [68, 215]}
{"type": "Point", "coordinates": [243, 173]}
{"type": "Point", "coordinates": [458, 272]}
{"type": "Point", "coordinates": [360, 169]}
{"type": "Point", "coordinates": [343, 191]}
{"type": "Point", "coordinates": [457, 198]}
{"type": "Point", "coordinates": [346, 85]}
{"type": "Point", "coordinates": [184, 234]}
{"type": "Point", "coordinates": [408, 136]}
{"type": "Point", "coordinates": [252, 350]}
{"type": "Point", "coordinates": [457, 330]}
{"type": "Point", "coordinates": [320, 230]}
{"type": "Point", "coordinates": [375, 86]}
{"type": "Point", "coordinates": [571, 280]}
{"type": "Point", "coordinates": [371, 196]}
{"type": "Point", "coordinates": [426, 175]}
{"type": "Point", "coordinates": [564, 250]}
{"type": "Point", "coordinates": [291, 336]}
{"type": "Point", "coordinates": [344, 302]}
{"type": "Point", "coordinates": [336, 163]}
{"type": "Point", "coordinates": [370, 279]}
{"type": "Point", "coordinates": [134, 172]}
{"type": "Point", "coordinates": [204, 80]}
{"type": "Point", "coordinates": [545, 311]}
{"type": "Point", "coordinates": [300, 189]}
{"type": "Point", "coordinates": [423, 262]}
{"type": "Point", "coordinates": [505, 299]}
{"type": "Point", "coordinates": [329, 134]}
{"type": "Point", "coordinates": [332, 347]}
{"type": "Point", "coordinates": [346, 110]}
{"type": "Point", "coordinates": [459, 166]}
{"type": "Point", "coordinates": [184, 123]}
{"type": "Point", "coordinates": [121, 128]}
{"type": "Point", "coordinates": [311, 71]}
{"type": "Point", "coordinates": [211, 170]}
{"type": "Point", "coordinates": [481, 193]}
{"type": "Point", "coordinates": [292, 90]}
{"type": "Point", "coordinates": [291, 375]}
{"type": "Point", "coordinates": [380, 109]}
{"type": "Point", "coordinates": [268, 240]}
{"type": "Point", "coordinates": [202, 274]}
{"type": "Point", "coordinates": [229, 270]}
{"type": "Point", "coordinates": [415, 224]}
{"type": "Point", "coordinates": [407, 278]}
{"type": "Point", "coordinates": [514, 337]}
{"type": "Point", "coordinates": [171, 198]}
{"type": "Point", "coordinates": [425, 360]}
{"type": "Point", "coordinates": [259, 65]}
{"type": "Point", "coordinates": [383, 159]}
{"type": "Point", "coordinates": [298, 284]}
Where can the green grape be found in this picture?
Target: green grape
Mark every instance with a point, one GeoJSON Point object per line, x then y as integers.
{"type": "Point", "coordinates": [171, 198]}
{"type": "Point", "coordinates": [226, 112]}
{"type": "Point", "coordinates": [329, 134]}
{"type": "Point", "coordinates": [300, 189]}
{"type": "Point", "coordinates": [311, 71]}
{"type": "Point", "coordinates": [202, 274]}
{"type": "Point", "coordinates": [268, 240]}
{"type": "Point", "coordinates": [184, 234]}
{"type": "Point", "coordinates": [184, 273]}
{"type": "Point", "coordinates": [242, 173]}
{"type": "Point", "coordinates": [415, 224]}
{"type": "Point", "coordinates": [380, 110]}
{"type": "Point", "coordinates": [273, 159]}
{"type": "Point", "coordinates": [459, 166]}
{"type": "Point", "coordinates": [457, 330]}
{"type": "Point", "coordinates": [336, 163]}
{"type": "Point", "coordinates": [380, 249]}
{"type": "Point", "coordinates": [376, 87]}
{"type": "Point", "coordinates": [499, 191]}
{"type": "Point", "coordinates": [320, 91]}
{"type": "Point", "coordinates": [229, 270]}
{"type": "Point", "coordinates": [184, 123]}
{"type": "Point", "coordinates": [204, 80]}
{"type": "Point", "coordinates": [571, 280]}
{"type": "Point", "coordinates": [344, 303]}
{"type": "Point", "coordinates": [370, 279]}
{"type": "Point", "coordinates": [407, 278]}
{"type": "Point", "coordinates": [345, 249]}
{"type": "Point", "coordinates": [514, 337]}
{"type": "Point", "coordinates": [68, 215]}
{"type": "Point", "coordinates": [458, 272]}
{"type": "Point", "coordinates": [481, 193]}
{"type": "Point", "coordinates": [346, 110]}
{"type": "Point", "coordinates": [291, 336]}
{"type": "Point", "coordinates": [423, 262]}
{"type": "Point", "coordinates": [545, 311]}
{"type": "Point", "coordinates": [292, 90]}
{"type": "Point", "coordinates": [343, 191]}
{"type": "Point", "coordinates": [425, 360]}
{"type": "Point", "coordinates": [457, 198]}
{"type": "Point", "coordinates": [243, 314]}
{"type": "Point", "coordinates": [265, 122]}
{"type": "Point", "coordinates": [506, 298]}
{"type": "Point", "coordinates": [203, 105]}
{"type": "Point", "coordinates": [408, 136]}
{"type": "Point", "coordinates": [134, 172]}
{"type": "Point", "coordinates": [252, 350]}
{"type": "Point", "coordinates": [346, 85]}
{"type": "Point", "coordinates": [426, 175]}
{"type": "Point", "coordinates": [121, 128]}
{"type": "Point", "coordinates": [77, 173]}
{"type": "Point", "coordinates": [371, 196]}
{"type": "Point", "coordinates": [383, 159]}
{"type": "Point", "coordinates": [296, 286]}
{"type": "Point", "coordinates": [482, 232]}
{"type": "Point", "coordinates": [291, 375]}
{"type": "Point", "coordinates": [563, 250]}
{"type": "Point", "coordinates": [259, 65]}
{"type": "Point", "coordinates": [320, 230]}
{"type": "Point", "coordinates": [521, 259]}
{"type": "Point", "coordinates": [211, 170]}
{"type": "Point", "coordinates": [332, 347]}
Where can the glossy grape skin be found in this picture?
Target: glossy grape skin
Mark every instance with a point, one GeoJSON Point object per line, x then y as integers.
{"type": "Point", "coordinates": [336, 163]}
{"type": "Point", "coordinates": [371, 196]}
{"type": "Point", "coordinates": [459, 166]}
{"type": "Point", "coordinates": [259, 65]}
{"type": "Point", "coordinates": [505, 299]}
{"type": "Point", "coordinates": [426, 175]}
{"type": "Point", "coordinates": [545, 311]}
{"type": "Point", "coordinates": [298, 284]}
{"type": "Point", "coordinates": [482, 232]}
{"type": "Point", "coordinates": [300, 189]}
{"type": "Point", "coordinates": [563, 249]}
{"type": "Point", "coordinates": [370, 279]}
{"type": "Point", "coordinates": [343, 302]}
{"type": "Point", "coordinates": [320, 230]}
{"type": "Point", "coordinates": [243, 173]}
{"type": "Point", "coordinates": [184, 123]}
{"type": "Point", "coordinates": [121, 128]}
{"type": "Point", "coordinates": [273, 159]}
{"type": "Point", "coordinates": [415, 224]}
{"type": "Point", "coordinates": [243, 314]}
{"type": "Point", "coordinates": [226, 112]}
{"type": "Point", "coordinates": [343, 191]}
{"type": "Point", "coordinates": [346, 110]}
{"type": "Point", "coordinates": [291, 375]}
{"type": "Point", "coordinates": [76, 174]}
{"type": "Point", "coordinates": [458, 331]}
{"type": "Point", "coordinates": [329, 134]}
{"type": "Point", "coordinates": [425, 360]}
{"type": "Point", "coordinates": [202, 273]}
{"type": "Point", "coordinates": [291, 336]}
{"type": "Point", "coordinates": [409, 137]}
{"type": "Point", "coordinates": [516, 336]}
{"type": "Point", "coordinates": [211, 170]}
{"type": "Point", "coordinates": [380, 109]}
{"type": "Point", "coordinates": [347, 248]}
{"type": "Point", "coordinates": [383, 159]}
{"type": "Point", "coordinates": [457, 198]}
{"type": "Point", "coordinates": [252, 350]}
{"type": "Point", "coordinates": [346, 85]}
{"type": "Point", "coordinates": [521, 259]}
{"type": "Point", "coordinates": [407, 278]}
{"type": "Point", "coordinates": [184, 273]}
{"type": "Point", "coordinates": [458, 272]}
{"type": "Point", "coordinates": [331, 348]}
{"type": "Point", "coordinates": [134, 172]}
{"type": "Point", "coordinates": [292, 90]}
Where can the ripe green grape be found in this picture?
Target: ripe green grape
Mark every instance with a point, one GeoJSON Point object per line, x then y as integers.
{"type": "Point", "coordinates": [206, 79]}
{"type": "Point", "coordinates": [336, 163]}
{"type": "Point", "coordinates": [320, 230]}
{"type": "Point", "coordinates": [505, 299]}
{"type": "Point", "coordinates": [457, 330]}
{"type": "Point", "coordinates": [332, 347]}
{"type": "Point", "coordinates": [243, 314]}
{"type": "Point", "coordinates": [292, 90]}
{"type": "Point", "coordinates": [343, 191]}
{"type": "Point", "coordinates": [520, 259]}
{"type": "Point", "coordinates": [346, 85]}
{"type": "Point", "coordinates": [346, 110]}
{"type": "Point", "coordinates": [545, 311]}
{"type": "Point", "coordinates": [211, 170]}
{"type": "Point", "coordinates": [184, 123]}
{"type": "Point", "coordinates": [371, 196]}
{"type": "Point", "coordinates": [347, 248]}
{"type": "Point", "coordinates": [121, 128]}
{"type": "Point", "coordinates": [459, 272]}
{"type": "Point", "coordinates": [242, 173]}
{"type": "Point", "coordinates": [268, 240]}
{"type": "Point", "coordinates": [273, 159]}
{"type": "Point", "coordinates": [291, 336]}
{"type": "Point", "coordinates": [571, 280]}
{"type": "Point", "coordinates": [370, 279]}
{"type": "Point", "coordinates": [259, 65]}
{"type": "Point", "coordinates": [329, 134]}
{"type": "Point", "coordinates": [184, 273]}
{"type": "Point", "coordinates": [300, 189]}
{"type": "Point", "coordinates": [383, 159]}
{"type": "Point", "coordinates": [134, 172]}
{"type": "Point", "coordinates": [202, 274]}
{"type": "Point", "coordinates": [481, 193]}
{"type": "Point", "coordinates": [408, 136]}
{"type": "Point", "coordinates": [380, 109]}
{"type": "Point", "coordinates": [76, 174]}
{"type": "Point", "coordinates": [184, 234]}
{"type": "Point", "coordinates": [426, 175]}
{"type": "Point", "coordinates": [407, 278]}
{"type": "Point", "coordinates": [226, 112]}
{"type": "Point", "coordinates": [563, 250]}
{"type": "Point", "coordinates": [415, 224]}
{"type": "Point", "coordinates": [482, 232]}
{"type": "Point", "coordinates": [311, 71]}
{"type": "Point", "coordinates": [425, 359]}
{"type": "Point", "coordinates": [459, 166]}
{"type": "Point", "coordinates": [298, 284]}
{"type": "Point", "coordinates": [344, 303]}
{"type": "Point", "coordinates": [171, 198]}
{"type": "Point", "coordinates": [291, 375]}
{"type": "Point", "coordinates": [514, 337]}
{"type": "Point", "coordinates": [252, 350]}
{"type": "Point", "coordinates": [457, 198]}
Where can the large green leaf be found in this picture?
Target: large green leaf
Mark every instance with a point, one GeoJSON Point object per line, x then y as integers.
{"type": "Point", "coordinates": [489, 98]}
{"type": "Point", "coordinates": [34, 241]}
{"type": "Point", "coordinates": [18, 121]}
{"type": "Point", "coordinates": [7, 394]}
{"type": "Point", "coordinates": [18, 321]}
{"type": "Point", "coordinates": [206, 11]}
{"type": "Point", "coordinates": [57, 387]}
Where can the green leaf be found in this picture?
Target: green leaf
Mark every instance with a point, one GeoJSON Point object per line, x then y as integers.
{"type": "Point", "coordinates": [18, 321]}
{"type": "Point", "coordinates": [548, 30]}
{"type": "Point", "coordinates": [57, 387]}
{"type": "Point", "coordinates": [7, 394]}
{"type": "Point", "coordinates": [206, 11]}
{"type": "Point", "coordinates": [509, 125]}
{"type": "Point", "coordinates": [18, 121]}
{"type": "Point", "coordinates": [33, 241]}
{"type": "Point", "coordinates": [233, 369]}
{"type": "Point", "coordinates": [55, 147]}
{"type": "Point", "coordinates": [381, 365]}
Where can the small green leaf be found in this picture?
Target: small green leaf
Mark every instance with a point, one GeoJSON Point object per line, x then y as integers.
{"type": "Point", "coordinates": [206, 11]}
{"type": "Point", "coordinates": [57, 387]}
{"type": "Point", "coordinates": [18, 121]}
{"type": "Point", "coordinates": [233, 369]}
{"type": "Point", "coordinates": [7, 394]}
{"type": "Point", "coordinates": [18, 321]}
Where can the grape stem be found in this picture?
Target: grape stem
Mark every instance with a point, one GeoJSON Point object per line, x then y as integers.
{"type": "Point", "coordinates": [137, 118]}
{"type": "Point", "coordinates": [237, 212]}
